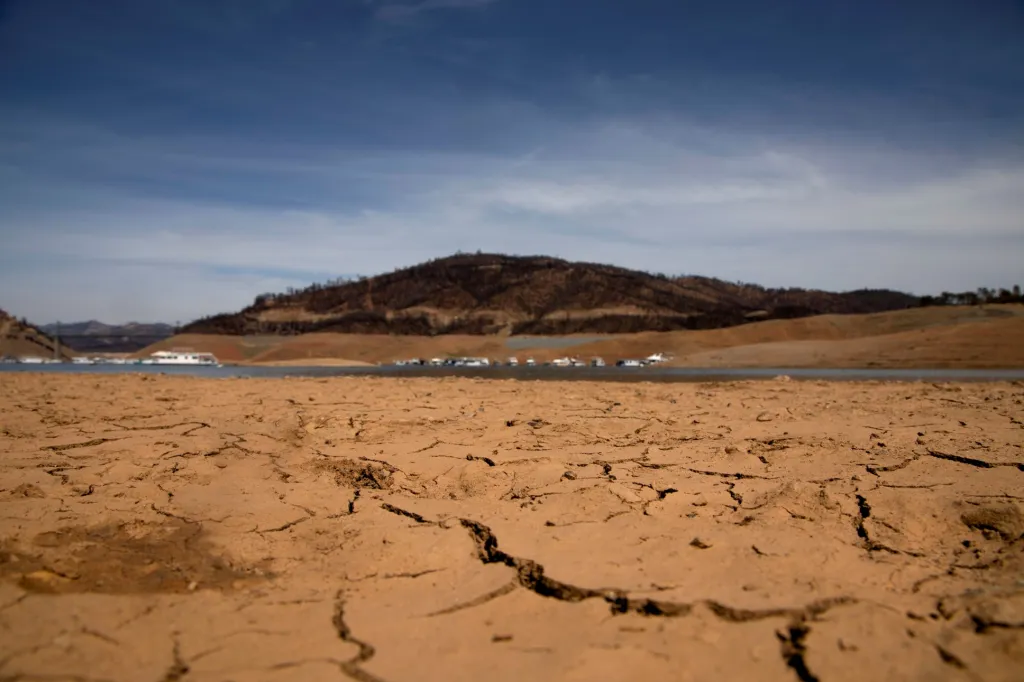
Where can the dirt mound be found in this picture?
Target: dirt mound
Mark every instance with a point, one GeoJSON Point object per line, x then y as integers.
{"type": "Point", "coordinates": [357, 475]}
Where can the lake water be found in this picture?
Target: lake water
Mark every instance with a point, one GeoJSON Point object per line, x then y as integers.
{"type": "Point", "coordinates": [659, 374]}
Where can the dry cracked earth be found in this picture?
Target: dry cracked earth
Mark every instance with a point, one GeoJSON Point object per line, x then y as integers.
{"type": "Point", "coordinates": [164, 529]}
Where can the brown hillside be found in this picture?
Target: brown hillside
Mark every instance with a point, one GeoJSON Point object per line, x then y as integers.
{"type": "Point", "coordinates": [995, 343]}
{"type": "Point", "coordinates": [493, 294]}
{"type": "Point", "coordinates": [20, 339]}
{"type": "Point", "coordinates": [818, 328]}
{"type": "Point", "coordinates": [985, 336]}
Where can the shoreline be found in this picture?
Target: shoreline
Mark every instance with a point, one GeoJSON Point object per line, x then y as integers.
{"type": "Point", "coordinates": [924, 337]}
{"type": "Point", "coordinates": [304, 362]}
{"type": "Point", "coordinates": [568, 375]}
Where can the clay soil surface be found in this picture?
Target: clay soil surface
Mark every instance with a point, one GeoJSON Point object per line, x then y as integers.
{"type": "Point", "coordinates": [184, 529]}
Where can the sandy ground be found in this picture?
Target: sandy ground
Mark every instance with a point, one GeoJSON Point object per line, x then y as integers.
{"type": "Point", "coordinates": [162, 528]}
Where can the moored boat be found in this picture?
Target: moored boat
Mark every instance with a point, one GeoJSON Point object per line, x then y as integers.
{"type": "Point", "coordinates": [182, 357]}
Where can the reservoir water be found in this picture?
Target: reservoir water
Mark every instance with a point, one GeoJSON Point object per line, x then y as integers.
{"type": "Point", "coordinates": [659, 374]}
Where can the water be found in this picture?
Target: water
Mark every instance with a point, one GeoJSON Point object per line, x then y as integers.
{"type": "Point", "coordinates": [659, 374]}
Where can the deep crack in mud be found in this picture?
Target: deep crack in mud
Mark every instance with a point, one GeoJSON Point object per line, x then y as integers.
{"type": "Point", "coordinates": [352, 667]}
{"type": "Point", "coordinates": [530, 575]}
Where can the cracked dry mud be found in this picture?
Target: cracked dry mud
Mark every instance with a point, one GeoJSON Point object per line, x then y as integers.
{"type": "Point", "coordinates": [159, 528]}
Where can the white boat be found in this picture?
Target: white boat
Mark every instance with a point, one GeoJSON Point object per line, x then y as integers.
{"type": "Point", "coordinates": [82, 360]}
{"type": "Point", "coordinates": [31, 360]}
{"type": "Point", "coordinates": [561, 362]}
{"type": "Point", "coordinates": [597, 362]}
{"type": "Point", "coordinates": [656, 358]}
{"type": "Point", "coordinates": [182, 357]}
{"type": "Point", "coordinates": [630, 363]}
{"type": "Point", "coordinates": [530, 362]}
{"type": "Point", "coordinates": [513, 362]}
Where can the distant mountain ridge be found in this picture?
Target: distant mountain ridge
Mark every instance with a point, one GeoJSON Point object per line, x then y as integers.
{"type": "Point", "coordinates": [98, 337]}
{"type": "Point", "coordinates": [484, 294]}
{"type": "Point", "coordinates": [96, 328]}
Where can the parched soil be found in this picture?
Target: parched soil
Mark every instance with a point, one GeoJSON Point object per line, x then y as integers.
{"type": "Point", "coordinates": [161, 528]}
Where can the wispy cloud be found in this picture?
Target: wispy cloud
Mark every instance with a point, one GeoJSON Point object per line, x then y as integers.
{"type": "Point", "coordinates": [773, 212]}
{"type": "Point", "coordinates": [210, 150]}
{"type": "Point", "coordinates": [392, 11]}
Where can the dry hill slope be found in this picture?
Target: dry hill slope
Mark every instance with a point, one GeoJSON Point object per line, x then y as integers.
{"type": "Point", "coordinates": [985, 344]}
{"type": "Point", "coordinates": [984, 336]}
{"type": "Point", "coordinates": [493, 294]}
{"type": "Point", "coordinates": [20, 339]}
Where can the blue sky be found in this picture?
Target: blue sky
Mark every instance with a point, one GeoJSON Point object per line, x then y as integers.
{"type": "Point", "coordinates": [164, 159]}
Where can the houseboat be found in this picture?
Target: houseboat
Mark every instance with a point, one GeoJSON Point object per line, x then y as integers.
{"type": "Point", "coordinates": [109, 360]}
{"type": "Point", "coordinates": [182, 357]}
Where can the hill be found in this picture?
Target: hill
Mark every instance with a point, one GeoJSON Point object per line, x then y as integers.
{"type": "Point", "coordinates": [20, 339]}
{"type": "Point", "coordinates": [97, 337]}
{"type": "Point", "coordinates": [486, 294]}
{"type": "Point", "coordinates": [977, 336]}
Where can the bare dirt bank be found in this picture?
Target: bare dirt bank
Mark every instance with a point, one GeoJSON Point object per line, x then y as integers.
{"type": "Point", "coordinates": [976, 337]}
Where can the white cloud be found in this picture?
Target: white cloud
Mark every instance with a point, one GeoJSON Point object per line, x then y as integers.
{"type": "Point", "coordinates": [674, 201]}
